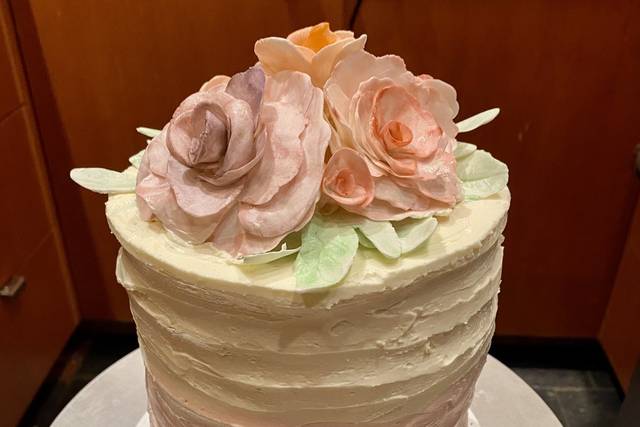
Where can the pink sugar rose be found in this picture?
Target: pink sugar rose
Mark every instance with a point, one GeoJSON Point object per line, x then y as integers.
{"type": "Point", "coordinates": [400, 126]}
{"type": "Point", "coordinates": [347, 179]}
{"type": "Point", "coordinates": [240, 162]}
{"type": "Point", "coordinates": [312, 50]}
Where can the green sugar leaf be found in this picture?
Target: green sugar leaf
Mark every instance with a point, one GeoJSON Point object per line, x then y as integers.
{"type": "Point", "coordinates": [148, 132]}
{"type": "Point", "coordinates": [326, 254]}
{"type": "Point", "coordinates": [383, 236]}
{"type": "Point", "coordinates": [481, 175]}
{"type": "Point", "coordinates": [482, 188]}
{"type": "Point", "coordinates": [364, 242]}
{"type": "Point", "coordinates": [104, 181]}
{"type": "Point", "coordinates": [268, 257]}
{"type": "Point", "coordinates": [136, 159]}
{"type": "Point", "coordinates": [414, 232]}
{"type": "Point", "coordinates": [478, 120]}
{"type": "Point", "coordinates": [463, 149]}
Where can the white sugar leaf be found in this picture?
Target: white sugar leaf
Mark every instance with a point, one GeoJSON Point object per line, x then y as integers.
{"type": "Point", "coordinates": [481, 175]}
{"type": "Point", "coordinates": [136, 159]}
{"type": "Point", "coordinates": [104, 181]}
{"type": "Point", "coordinates": [413, 233]}
{"type": "Point", "coordinates": [325, 256]}
{"type": "Point", "coordinates": [479, 189]}
{"type": "Point", "coordinates": [383, 236]}
{"type": "Point", "coordinates": [268, 257]}
{"type": "Point", "coordinates": [463, 149]}
{"type": "Point", "coordinates": [478, 120]}
{"type": "Point", "coordinates": [149, 132]}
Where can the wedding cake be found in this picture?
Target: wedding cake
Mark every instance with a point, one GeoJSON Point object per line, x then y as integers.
{"type": "Point", "coordinates": [307, 243]}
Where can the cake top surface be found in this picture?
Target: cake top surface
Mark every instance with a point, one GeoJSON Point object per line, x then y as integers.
{"type": "Point", "coordinates": [320, 160]}
{"type": "Point", "coordinates": [471, 228]}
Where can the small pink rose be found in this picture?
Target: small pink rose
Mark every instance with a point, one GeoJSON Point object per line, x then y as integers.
{"type": "Point", "coordinates": [402, 127]}
{"type": "Point", "coordinates": [311, 50]}
{"type": "Point", "coordinates": [347, 179]}
{"type": "Point", "coordinates": [240, 162]}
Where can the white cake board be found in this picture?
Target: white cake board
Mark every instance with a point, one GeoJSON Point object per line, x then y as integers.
{"type": "Point", "coordinates": [473, 421]}
{"type": "Point", "coordinates": [144, 421]}
{"type": "Point", "coordinates": [117, 398]}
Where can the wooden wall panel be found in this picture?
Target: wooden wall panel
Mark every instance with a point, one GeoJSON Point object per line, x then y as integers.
{"type": "Point", "coordinates": [620, 333]}
{"type": "Point", "coordinates": [97, 70]}
{"type": "Point", "coordinates": [28, 210]}
{"type": "Point", "coordinates": [10, 96]}
{"type": "Point", "coordinates": [37, 324]}
{"type": "Point", "coordinates": [40, 317]}
{"type": "Point", "coordinates": [566, 77]}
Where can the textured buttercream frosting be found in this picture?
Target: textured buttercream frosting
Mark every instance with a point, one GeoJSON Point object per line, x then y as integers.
{"type": "Point", "coordinates": [397, 342]}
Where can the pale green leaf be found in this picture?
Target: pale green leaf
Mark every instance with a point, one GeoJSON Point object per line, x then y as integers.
{"type": "Point", "coordinates": [104, 181]}
{"type": "Point", "coordinates": [364, 242]}
{"type": "Point", "coordinates": [326, 254]}
{"type": "Point", "coordinates": [136, 159]}
{"type": "Point", "coordinates": [344, 218]}
{"type": "Point", "coordinates": [413, 233]}
{"type": "Point", "coordinates": [268, 257]}
{"type": "Point", "coordinates": [479, 189]}
{"type": "Point", "coordinates": [383, 236]}
{"type": "Point", "coordinates": [148, 132]}
{"type": "Point", "coordinates": [463, 149]}
{"type": "Point", "coordinates": [481, 175]}
{"type": "Point", "coordinates": [478, 120]}
{"type": "Point", "coordinates": [479, 165]}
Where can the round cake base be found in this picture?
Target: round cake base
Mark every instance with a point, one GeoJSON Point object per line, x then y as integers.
{"type": "Point", "coordinates": [117, 397]}
{"type": "Point", "coordinates": [144, 421]}
{"type": "Point", "coordinates": [473, 421]}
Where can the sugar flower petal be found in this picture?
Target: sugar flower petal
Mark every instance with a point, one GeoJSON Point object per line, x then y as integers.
{"type": "Point", "coordinates": [235, 159]}
{"type": "Point", "coordinates": [402, 126]}
{"type": "Point", "coordinates": [289, 209]}
{"type": "Point", "coordinates": [248, 86]}
{"type": "Point", "coordinates": [312, 50]}
{"type": "Point", "coordinates": [347, 179]}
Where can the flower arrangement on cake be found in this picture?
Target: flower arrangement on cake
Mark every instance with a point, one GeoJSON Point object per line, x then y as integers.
{"type": "Point", "coordinates": [319, 150]}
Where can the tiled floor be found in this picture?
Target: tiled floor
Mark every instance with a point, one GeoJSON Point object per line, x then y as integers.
{"type": "Point", "coordinates": [573, 379]}
{"type": "Point", "coordinates": [579, 398]}
{"type": "Point", "coordinates": [86, 355]}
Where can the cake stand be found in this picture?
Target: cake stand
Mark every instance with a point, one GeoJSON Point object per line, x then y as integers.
{"type": "Point", "coordinates": [117, 398]}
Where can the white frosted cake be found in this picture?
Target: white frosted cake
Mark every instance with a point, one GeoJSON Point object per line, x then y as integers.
{"type": "Point", "coordinates": [307, 243]}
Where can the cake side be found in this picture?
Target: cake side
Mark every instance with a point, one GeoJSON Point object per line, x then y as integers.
{"type": "Point", "coordinates": [403, 351]}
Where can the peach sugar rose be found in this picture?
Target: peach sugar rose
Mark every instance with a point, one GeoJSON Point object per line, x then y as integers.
{"type": "Point", "coordinates": [393, 140]}
{"type": "Point", "coordinates": [311, 50]}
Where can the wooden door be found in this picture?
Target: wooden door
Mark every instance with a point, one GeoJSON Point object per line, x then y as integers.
{"type": "Point", "coordinates": [565, 74]}
{"type": "Point", "coordinates": [38, 319]}
{"type": "Point", "coordinates": [620, 332]}
{"type": "Point", "coordinates": [97, 71]}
